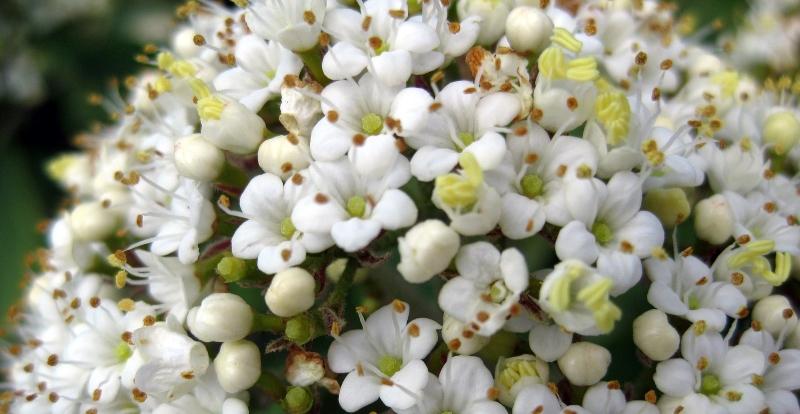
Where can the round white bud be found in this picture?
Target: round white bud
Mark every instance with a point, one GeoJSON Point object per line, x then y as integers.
{"type": "Point", "coordinates": [493, 14]}
{"type": "Point", "coordinates": [782, 131]}
{"type": "Point", "coordinates": [426, 250]}
{"type": "Point", "coordinates": [92, 221]}
{"type": "Point", "coordinates": [774, 312]}
{"type": "Point", "coordinates": [528, 29]}
{"type": "Point", "coordinates": [237, 129]}
{"type": "Point", "coordinates": [284, 155]}
{"type": "Point", "coordinates": [198, 159]}
{"type": "Point", "coordinates": [653, 334]}
{"type": "Point", "coordinates": [238, 365]}
{"type": "Point", "coordinates": [221, 317]}
{"type": "Point", "coordinates": [512, 375]}
{"type": "Point", "coordinates": [291, 292]}
{"type": "Point", "coordinates": [453, 334]}
{"type": "Point", "coordinates": [705, 64]}
{"type": "Point", "coordinates": [234, 406]}
{"type": "Point", "coordinates": [713, 220]}
{"type": "Point", "coordinates": [585, 363]}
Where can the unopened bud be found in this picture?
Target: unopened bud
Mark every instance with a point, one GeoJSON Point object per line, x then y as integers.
{"type": "Point", "coordinates": [291, 292]}
{"type": "Point", "coordinates": [298, 400]}
{"type": "Point", "coordinates": [238, 365]}
{"type": "Point", "coordinates": [426, 250]}
{"type": "Point", "coordinates": [585, 363]}
{"type": "Point", "coordinates": [774, 313]}
{"type": "Point", "coordinates": [512, 375]}
{"type": "Point", "coordinates": [91, 221]}
{"type": "Point", "coordinates": [231, 126]}
{"type": "Point", "coordinates": [299, 329]}
{"type": "Point", "coordinates": [198, 159]}
{"type": "Point", "coordinates": [653, 334]}
{"type": "Point", "coordinates": [713, 220]}
{"type": "Point", "coordinates": [284, 155]}
{"type": "Point", "coordinates": [782, 130]}
{"type": "Point", "coordinates": [528, 29]}
{"type": "Point", "coordinates": [670, 205]}
{"type": "Point", "coordinates": [232, 269]}
{"type": "Point", "coordinates": [221, 317]}
{"type": "Point", "coordinates": [493, 15]}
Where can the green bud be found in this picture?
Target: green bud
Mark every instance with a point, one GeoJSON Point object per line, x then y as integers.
{"type": "Point", "coordinates": [298, 400]}
{"type": "Point", "coordinates": [299, 329]}
{"type": "Point", "coordinates": [670, 205]}
{"type": "Point", "coordinates": [232, 269]}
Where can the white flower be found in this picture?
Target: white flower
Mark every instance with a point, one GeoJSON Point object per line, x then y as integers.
{"type": "Point", "coordinates": [756, 218]}
{"type": "Point", "coordinates": [492, 16]}
{"type": "Point", "coordinates": [739, 168]}
{"type": "Point", "coordinates": [617, 237]}
{"type": "Point", "coordinates": [711, 376]}
{"type": "Point", "coordinates": [513, 374]}
{"type": "Point", "coordinates": [227, 123]}
{"type": "Point", "coordinates": [198, 159]}
{"type": "Point", "coordinates": [300, 110]}
{"type": "Point", "coordinates": [426, 250]}
{"type": "Point", "coordinates": [460, 120]}
{"type": "Point", "coordinates": [259, 73]}
{"type": "Point", "coordinates": [91, 221]}
{"type": "Point", "coordinates": [463, 387]}
{"type": "Point", "coordinates": [382, 39]}
{"type": "Point", "coordinates": [487, 291]}
{"type": "Point", "coordinates": [295, 24]}
{"type": "Point", "coordinates": [284, 155]}
{"type": "Point", "coordinates": [269, 234]}
{"type": "Point", "coordinates": [779, 380]}
{"type": "Point", "coordinates": [168, 280]}
{"type": "Point", "coordinates": [354, 204]}
{"type": "Point", "coordinates": [455, 38]}
{"type": "Point", "coordinates": [576, 296]}
{"type": "Point", "coordinates": [453, 334]}
{"type": "Point", "coordinates": [685, 287]}
{"type": "Point", "coordinates": [537, 397]}
{"type": "Point", "coordinates": [221, 317]}
{"type": "Point", "coordinates": [384, 359]}
{"type": "Point", "coordinates": [473, 206]}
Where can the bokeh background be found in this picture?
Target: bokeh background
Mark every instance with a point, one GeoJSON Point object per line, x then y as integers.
{"type": "Point", "coordinates": [53, 53]}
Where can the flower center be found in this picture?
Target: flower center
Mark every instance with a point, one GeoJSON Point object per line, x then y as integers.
{"type": "Point", "coordinates": [466, 138]}
{"type": "Point", "coordinates": [461, 191]}
{"type": "Point", "coordinates": [498, 291]}
{"type": "Point", "coordinates": [532, 185]}
{"type": "Point", "coordinates": [515, 371]}
{"type": "Point", "coordinates": [710, 385]}
{"type": "Point", "coordinates": [123, 351]}
{"type": "Point", "coordinates": [287, 227]}
{"type": "Point", "coordinates": [389, 365]}
{"type": "Point", "coordinates": [371, 123]}
{"type": "Point", "coordinates": [356, 206]}
{"type": "Point", "coordinates": [447, 412]}
{"type": "Point", "coordinates": [694, 302]}
{"type": "Point", "coordinates": [602, 233]}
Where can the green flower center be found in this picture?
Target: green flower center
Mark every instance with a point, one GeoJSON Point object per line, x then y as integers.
{"type": "Point", "coordinates": [356, 206]}
{"type": "Point", "coordinates": [694, 302]}
{"type": "Point", "coordinates": [389, 365]}
{"type": "Point", "coordinates": [447, 412]}
{"type": "Point", "coordinates": [123, 351]}
{"type": "Point", "coordinates": [371, 124]}
{"type": "Point", "coordinates": [287, 227]}
{"type": "Point", "coordinates": [532, 185]}
{"type": "Point", "coordinates": [466, 138]}
{"type": "Point", "coordinates": [602, 233]}
{"type": "Point", "coordinates": [498, 291]}
{"type": "Point", "coordinates": [710, 385]}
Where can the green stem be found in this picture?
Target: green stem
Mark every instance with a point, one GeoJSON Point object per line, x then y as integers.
{"type": "Point", "coordinates": [267, 323]}
{"type": "Point", "coordinates": [312, 58]}
{"type": "Point", "coordinates": [339, 294]}
{"type": "Point", "coordinates": [271, 385]}
{"type": "Point", "coordinates": [233, 176]}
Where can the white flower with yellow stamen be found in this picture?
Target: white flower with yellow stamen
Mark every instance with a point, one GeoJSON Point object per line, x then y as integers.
{"type": "Point", "coordinates": [473, 206]}
{"type": "Point", "coordinates": [227, 123]}
{"type": "Point", "coordinates": [295, 24]}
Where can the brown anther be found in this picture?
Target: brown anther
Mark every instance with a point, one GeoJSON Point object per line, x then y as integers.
{"type": "Point", "coordinates": [52, 397]}
{"type": "Point", "coordinates": [537, 114]}
{"type": "Point", "coordinates": [743, 312]}
{"type": "Point", "coordinates": [650, 396]}
{"type": "Point", "coordinates": [359, 139]}
{"type": "Point", "coordinates": [292, 138]}
{"type": "Point", "coordinates": [702, 281]}
{"type": "Point", "coordinates": [297, 179]}
{"type": "Point", "coordinates": [400, 144]}
{"type": "Point", "coordinates": [397, 13]}
{"type": "Point", "coordinates": [520, 131]}
{"type": "Point", "coordinates": [743, 239]}
{"type": "Point", "coordinates": [755, 325]}
{"type": "Point", "coordinates": [321, 198]}
{"type": "Point", "coordinates": [398, 306]}
{"type": "Point", "coordinates": [561, 170]}
{"type": "Point", "coordinates": [774, 358]}
{"type": "Point", "coordinates": [127, 337]}
{"type": "Point", "coordinates": [387, 382]}
{"type": "Point", "coordinates": [572, 103]}
{"type": "Point", "coordinates": [641, 59]}
{"type": "Point", "coordinates": [656, 95]}
{"type": "Point", "coordinates": [96, 394]}
{"type": "Point", "coordinates": [413, 330]}
{"type": "Point", "coordinates": [75, 303]}
{"type": "Point", "coordinates": [199, 40]}
{"type": "Point", "coordinates": [466, 333]}
{"type": "Point", "coordinates": [309, 17]}
{"type": "Point", "coordinates": [531, 158]}
{"type": "Point", "coordinates": [694, 123]}
{"type": "Point", "coordinates": [454, 344]}
{"type": "Point", "coordinates": [138, 395]}
{"type": "Point", "coordinates": [52, 360]}
{"type": "Point", "coordinates": [482, 316]}
{"type": "Point", "coordinates": [286, 254]}
{"type": "Point", "coordinates": [375, 42]}
{"type": "Point", "coordinates": [737, 278]}
{"type": "Point", "coordinates": [770, 207]}
{"type": "Point", "coordinates": [286, 167]}
{"type": "Point", "coordinates": [626, 247]}
{"type": "Point", "coordinates": [224, 201]}
{"type": "Point", "coordinates": [148, 320]}
{"type": "Point", "coordinates": [324, 39]}
{"type": "Point", "coordinates": [666, 64]}
{"type": "Point", "coordinates": [613, 385]}
{"type": "Point", "coordinates": [687, 251]}
{"type": "Point", "coordinates": [787, 313]}
{"type": "Point", "coordinates": [492, 393]}
{"type": "Point", "coordinates": [434, 107]}
{"type": "Point", "coordinates": [454, 27]}
{"type": "Point", "coordinates": [187, 375]}
{"type": "Point", "coordinates": [470, 90]}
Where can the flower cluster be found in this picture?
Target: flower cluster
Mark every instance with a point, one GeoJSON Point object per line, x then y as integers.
{"type": "Point", "coordinates": [531, 167]}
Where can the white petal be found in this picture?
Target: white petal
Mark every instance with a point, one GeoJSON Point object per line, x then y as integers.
{"type": "Point", "coordinates": [393, 68]}
{"type": "Point", "coordinates": [514, 270]}
{"type": "Point", "coordinates": [576, 242]}
{"type": "Point", "coordinates": [355, 234]}
{"type": "Point", "coordinates": [665, 299]}
{"type": "Point", "coordinates": [250, 238]}
{"type": "Point", "coordinates": [489, 150]}
{"type": "Point", "coordinates": [533, 397]}
{"type": "Point", "coordinates": [430, 162]}
{"type": "Point", "coordinates": [624, 269]}
{"type": "Point", "coordinates": [521, 217]}
{"type": "Point", "coordinates": [675, 377]}
{"type": "Point", "coordinates": [644, 232]}
{"type": "Point", "coordinates": [347, 350]}
{"type": "Point", "coordinates": [421, 344]}
{"type": "Point", "coordinates": [395, 210]}
{"type": "Point", "coordinates": [273, 259]}
{"type": "Point", "coordinates": [415, 37]}
{"type": "Point", "coordinates": [343, 61]}
{"type": "Point", "coordinates": [358, 391]}
{"type": "Point", "coordinates": [624, 199]}
{"type": "Point", "coordinates": [310, 215]}
{"type": "Point", "coordinates": [412, 377]}
{"type": "Point", "coordinates": [549, 342]}
{"type": "Point", "coordinates": [497, 109]}
{"type": "Point", "coordinates": [740, 364]}
{"type": "Point", "coordinates": [375, 156]}
{"type": "Point", "coordinates": [330, 141]}
{"type": "Point", "coordinates": [478, 262]}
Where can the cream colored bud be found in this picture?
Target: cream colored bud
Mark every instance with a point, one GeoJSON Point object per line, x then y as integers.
{"type": "Point", "coordinates": [775, 314]}
{"type": "Point", "coordinates": [426, 250]}
{"type": "Point", "coordinates": [304, 368]}
{"type": "Point", "coordinates": [237, 129]}
{"type": "Point", "coordinates": [670, 205]}
{"type": "Point", "coordinates": [453, 333]}
{"type": "Point", "coordinates": [493, 14]}
{"type": "Point", "coordinates": [528, 29]}
{"type": "Point", "coordinates": [291, 292]}
{"type": "Point", "coordinates": [198, 159]}
{"type": "Point", "coordinates": [91, 221]}
{"type": "Point", "coordinates": [713, 220]}
{"type": "Point", "coordinates": [284, 155]}
{"type": "Point", "coordinates": [221, 317]}
{"type": "Point", "coordinates": [653, 334]}
{"type": "Point", "coordinates": [238, 365]}
{"type": "Point", "coordinates": [512, 375]}
{"type": "Point", "coordinates": [585, 363]}
{"type": "Point", "coordinates": [704, 65]}
{"type": "Point", "coordinates": [782, 131]}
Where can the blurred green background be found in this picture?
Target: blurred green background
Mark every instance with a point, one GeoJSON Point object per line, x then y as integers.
{"type": "Point", "coordinates": [52, 54]}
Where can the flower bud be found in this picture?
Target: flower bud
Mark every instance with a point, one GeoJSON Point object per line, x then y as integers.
{"type": "Point", "coordinates": [234, 406]}
{"type": "Point", "coordinates": [493, 14]}
{"type": "Point", "coordinates": [221, 317]}
{"type": "Point", "coordinates": [198, 159]}
{"type": "Point", "coordinates": [512, 375]}
{"type": "Point", "coordinates": [304, 368]}
{"type": "Point", "coordinates": [291, 292]}
{"type": "Point", "coordinates": [459, 338]}
{"type": "Point", "coordinates": [653, 334]}
{"type": "Point", "coordinates": [91, 221]}
{"type": "Point", "coordinates": [238, 365]}
{"type": "Point", "coordinates": [713, 220]}
{"type": "Point", "coordinates": [284, 155]}
{"type": "Point", "coordinates": [232, 269]}
{"type": "Point", "coordinates": [782, 130]}
{"type": "Point", "coordinates": [585, 363]}
{"type": "Point", "coordinates": [775, 314]}
{"type": "Point", "coordinates": [705, 64]}
{"type": "Point", "coordinates": [528, 29]}
{"type": "Point", "coordinates": [299, 329]}
{"type": "Point", "coordinates": [230, 125]}
{"type": "Point", "coordinates": [298, 400]}
{"type": "Point", "coordinates": [670, 205]}
{"type": "Point", "coordinates": [426, 250]}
